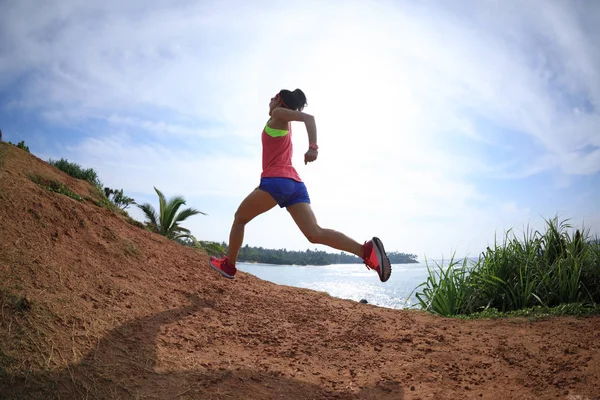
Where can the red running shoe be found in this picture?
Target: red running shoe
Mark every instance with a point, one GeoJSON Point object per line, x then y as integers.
{"type": "Point", "coordinates": [222, 266]}
{"type": "Point", "coordinates": [375, 258]}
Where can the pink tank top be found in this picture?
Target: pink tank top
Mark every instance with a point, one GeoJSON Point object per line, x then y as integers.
{"type": "Point", "coordinates": [277, 154]}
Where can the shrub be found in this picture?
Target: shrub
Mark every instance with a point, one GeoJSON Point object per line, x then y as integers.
{"type": "Point", "coordinates": [21, 145]}
{"type": "Point", "coordinates": [118, 198]}
{"type": "Point", "coordinates": [76, 171]}
{"type": "Point", "coordinates": [211, 248]}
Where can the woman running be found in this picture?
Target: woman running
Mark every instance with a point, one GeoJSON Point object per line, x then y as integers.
{"type": "Point", "coordinates": [280, 184]}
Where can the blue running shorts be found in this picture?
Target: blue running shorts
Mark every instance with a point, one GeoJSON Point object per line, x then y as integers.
{"type": "Point", "coordinates": [285, 191]}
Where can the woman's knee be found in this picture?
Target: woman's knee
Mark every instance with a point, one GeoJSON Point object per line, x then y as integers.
{"type": "Point", "coordinates": [314, 234]}
{"type": "Point", "coordinates": [241, 218]}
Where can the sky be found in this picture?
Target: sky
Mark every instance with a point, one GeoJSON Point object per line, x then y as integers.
{"type": "Point", "coordinates": [441, 124]}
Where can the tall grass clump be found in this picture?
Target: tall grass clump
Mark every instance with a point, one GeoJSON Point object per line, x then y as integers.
{"type": "Point", "coordinates": [590, 273]}
{"type": "Point", "coordinates": [76, 171]}
{"type": "Point", "coordinates": [446, 291]}
{"type": "Point", "coordinates": [550, 268]}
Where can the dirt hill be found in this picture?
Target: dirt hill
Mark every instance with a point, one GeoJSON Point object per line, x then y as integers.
{"type": "Point", "coordinates": [94, 307]}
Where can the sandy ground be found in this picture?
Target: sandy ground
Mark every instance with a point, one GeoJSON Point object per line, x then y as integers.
{"type": "Point", "coordinates": [114, 311]}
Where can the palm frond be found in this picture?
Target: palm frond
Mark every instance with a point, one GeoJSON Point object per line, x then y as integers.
{"type": "Point", "coordinates": [171, 209]}
{"type": "Point", "coordinates": [178, 228]}
{"type": "Point", "coordinates": [162, 205]}
{"type": "Point", "coordinates": [185, 214]}
{"type": "Point", "coordinates": [183, 235]}
{"type": "Point", "coordinates": [150, 214]}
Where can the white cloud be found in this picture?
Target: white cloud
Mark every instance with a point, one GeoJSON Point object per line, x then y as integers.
{"type": "Point", "coordinates": [121, 162]}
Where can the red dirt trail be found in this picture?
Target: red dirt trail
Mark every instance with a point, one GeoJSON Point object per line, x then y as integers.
{"type": "Point", "coordinates": [112, 311]}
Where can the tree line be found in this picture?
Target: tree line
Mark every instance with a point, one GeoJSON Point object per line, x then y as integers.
{"type": "Point", "coordinates": [309, 257]}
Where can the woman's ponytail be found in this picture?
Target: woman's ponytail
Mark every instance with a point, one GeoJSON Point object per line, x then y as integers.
{"type": "Point", "coordinates": [300, 98]}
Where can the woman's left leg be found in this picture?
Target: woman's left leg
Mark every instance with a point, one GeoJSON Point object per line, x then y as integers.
{"type": "Point", "coordinates": [304, 217]}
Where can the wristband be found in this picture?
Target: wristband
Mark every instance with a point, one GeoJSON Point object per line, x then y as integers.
{"type": "Point", "coordinates": [313, 146]}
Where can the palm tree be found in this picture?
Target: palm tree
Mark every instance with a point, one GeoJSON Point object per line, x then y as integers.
{"type": "Point", "coordinates": [167, 221]}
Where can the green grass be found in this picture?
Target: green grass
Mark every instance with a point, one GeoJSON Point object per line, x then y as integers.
{"type": "Point", "coordinates": [76, 171]}
{"type": "Point", "coordinates": [135, 222]}
{"type": "Point", "coordinates": [446, 291]}
{"type": "Point", "coordinates": [104, 202]}
{"type": "Point", "coordinates": [537, 312]}
{"type": "Point", "coordinates": [55, 186]}
{"type": "Point", "coordinates": [539, 269]}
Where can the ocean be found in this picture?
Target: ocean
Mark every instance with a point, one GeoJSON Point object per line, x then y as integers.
{"type": "Point", "coordinates": [347, 281]}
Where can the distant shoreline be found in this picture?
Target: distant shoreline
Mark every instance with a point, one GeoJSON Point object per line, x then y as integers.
{"type": "Point", "coordinates": [308, 257]}
{"type": "Point", "coordinates": [316, 265]}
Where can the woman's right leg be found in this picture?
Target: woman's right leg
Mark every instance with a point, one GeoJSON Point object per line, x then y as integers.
{"type": "Point", "coordinates": [304, 217]}
{"type": "Point", "coordinates": [253, 205]}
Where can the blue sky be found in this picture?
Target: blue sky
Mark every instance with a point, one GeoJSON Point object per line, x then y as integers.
{"type": "Point", "coordinates": [440, 123]}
